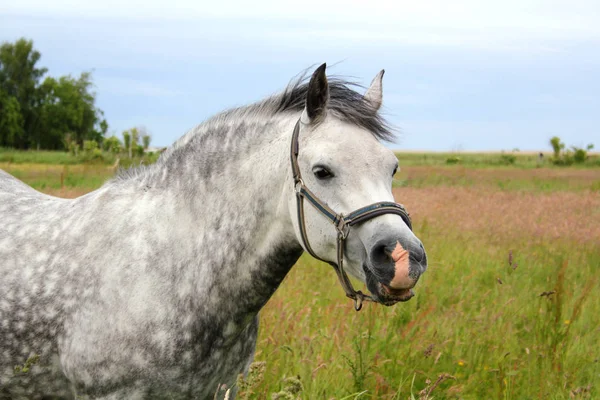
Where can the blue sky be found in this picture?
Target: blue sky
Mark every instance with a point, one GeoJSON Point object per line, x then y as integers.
{"type": "Point", "coordinates": [461, 75]}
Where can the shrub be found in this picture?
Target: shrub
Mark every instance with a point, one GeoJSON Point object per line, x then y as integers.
{"type": "Point", "coordinates": [568, 157]}
{"type": "Point", "coordinates": [94, 155]}
{"type": "Point", "coordinates": [139, 150]}
{"type": "Point", "coordinates": [453, 160]}
{"type": "Point", "coordinates": [89, 145]}
{"type": "Point", "coordinates": [73, 148]}
{"type": "Point", "coordinates": [581, 155]}
{"type": "Point", "coordinates": [508, 159]}
{"type": "Point", "coordinates": [112, 144]}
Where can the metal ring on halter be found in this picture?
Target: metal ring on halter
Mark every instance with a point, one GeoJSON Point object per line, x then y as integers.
{"type": "Point", "coordinates": [358, 300]}
{"type": "Point", "coordinates": [342, 227]}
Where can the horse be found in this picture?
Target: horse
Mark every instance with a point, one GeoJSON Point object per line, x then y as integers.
{"type": "Point", "coordinates": [150, 286]}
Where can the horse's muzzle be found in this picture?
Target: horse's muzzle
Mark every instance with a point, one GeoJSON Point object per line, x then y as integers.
{"type": "Point", "coordinates": [393, 270]}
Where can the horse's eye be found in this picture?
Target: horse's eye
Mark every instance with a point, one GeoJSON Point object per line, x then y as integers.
{"type": "Point", "coordinates": [322, 173]}
{"type": "Point", "coordinates": [395, 170]}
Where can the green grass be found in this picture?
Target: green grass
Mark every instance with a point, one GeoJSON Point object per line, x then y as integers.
{"type": "Point", "coordinates": [478, 327]}
{"type": "Point", "coordinates": [46, 176]}
{"type": "Point", "coordinates": [496, 341]}
{"type": "Point", "coordinates": [483, 160]}
{"type": "Point", "coordinates": [11, 156]}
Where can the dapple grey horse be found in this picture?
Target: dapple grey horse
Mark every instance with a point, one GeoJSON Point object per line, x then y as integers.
{"type": "Point", "coordinates": [150, 287]}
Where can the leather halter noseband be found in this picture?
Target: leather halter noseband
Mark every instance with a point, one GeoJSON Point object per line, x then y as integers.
{"type": "Point", "coordinates": [341, 222]}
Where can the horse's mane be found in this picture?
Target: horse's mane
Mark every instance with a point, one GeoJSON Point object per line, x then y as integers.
{"type": "Point", "coordinates": [345, 103]}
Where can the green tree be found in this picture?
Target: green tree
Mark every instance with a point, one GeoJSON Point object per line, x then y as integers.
{"type": "Point", "coordinates": [146, 141]}
{"type": "Point", "coordinates": [557, 146]}
{"type": "Point", "coordinates": [135, 139]}
{"type": "Point", "coordinates": [112, 144]}
{"type": "Point", "coordinates": [19, 78]}
{"type": "Point", "coordinates": [127, 142]}
{"type": "Point", "coordinates": [11, 121]}
{"type": "Point", "coordinates": [68, 105]}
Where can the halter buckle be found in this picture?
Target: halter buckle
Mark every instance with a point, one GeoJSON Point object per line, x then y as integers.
{"type": "Point", "coordinates": [341, 226]}
{"type": "Point", "coordinates": [298, 185]}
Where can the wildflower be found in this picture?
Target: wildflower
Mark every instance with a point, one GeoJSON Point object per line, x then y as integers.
{"type": "Point", "coordinates": [567, 321]}
{"type": "Point", "coordinates": [461, 363]}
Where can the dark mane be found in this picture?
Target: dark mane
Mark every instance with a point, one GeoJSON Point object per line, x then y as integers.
{"type": "Point", "coordinates": [346, 103]}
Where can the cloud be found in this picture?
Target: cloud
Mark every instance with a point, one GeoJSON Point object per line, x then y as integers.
{"type": "Point", "coordinates": [438, 21]}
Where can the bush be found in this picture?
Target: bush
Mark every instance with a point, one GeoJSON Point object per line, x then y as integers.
{"type": "Point", "coordinates": [139, 150]}
{"type": "Point", "coordinates": [89, 145]}
{"type": "Point", "coordinates": [579, 155]}
{"type": "Point", "coordinates": [93, 155]}
{"type": "Point", "coordinates": [112, 144]}
{"type": "Point", "coordinates": [453, 160]}
{"type": "Point", "coordinates": [568, 157]}
{"type": "Point", "coordinates": [73, 148]}
{"type": "Point", "coordinates": [508, 159]}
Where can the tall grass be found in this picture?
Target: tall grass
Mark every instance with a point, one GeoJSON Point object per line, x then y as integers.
{"type": "Point", "coordinates": [508, 309]}
{"type": "Point", "coordinates": [477, 322]}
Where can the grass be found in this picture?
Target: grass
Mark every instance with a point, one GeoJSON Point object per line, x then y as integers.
{"type": "Point", "coordinates": [517, 159]}
{"type": "Point", "coordinates": [508, 309]}
{"type": "Point", "coordinates": [11, 156]}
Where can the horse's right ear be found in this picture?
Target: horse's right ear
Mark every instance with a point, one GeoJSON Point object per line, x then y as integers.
{"type": "Point", "coordinates": [317, 96]}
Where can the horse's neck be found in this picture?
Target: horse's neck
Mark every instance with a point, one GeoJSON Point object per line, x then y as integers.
{"type": "Point", "coordinates": [243, 244]}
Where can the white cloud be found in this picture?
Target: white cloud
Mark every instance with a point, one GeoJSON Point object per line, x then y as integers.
{"type": "Point", "coordinates": [439, 21]}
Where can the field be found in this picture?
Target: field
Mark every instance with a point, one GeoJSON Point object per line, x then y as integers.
{"type": "Point", "coordinates": [508, 309]}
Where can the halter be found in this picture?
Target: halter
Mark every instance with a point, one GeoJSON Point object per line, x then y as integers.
{"type": "Point", "coordinates": [341, 222]}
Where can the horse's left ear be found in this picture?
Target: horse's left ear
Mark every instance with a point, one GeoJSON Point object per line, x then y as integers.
{"type": "Point", "coordinates": [374, 93]}
{"type": "Point", "coordinates": [317, 96]}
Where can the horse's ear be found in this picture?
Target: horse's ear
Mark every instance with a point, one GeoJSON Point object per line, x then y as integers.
{"type": "Point", "coordinates": [317, 96]}
{"type": "Point", "coordinates": [374, 93]}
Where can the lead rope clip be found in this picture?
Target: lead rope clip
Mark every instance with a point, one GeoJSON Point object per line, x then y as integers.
{"type": "Point", "coordinates": [358, 300]}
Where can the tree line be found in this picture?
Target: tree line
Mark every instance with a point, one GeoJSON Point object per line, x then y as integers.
{"type": "Point", "coordinates": [53, 113]}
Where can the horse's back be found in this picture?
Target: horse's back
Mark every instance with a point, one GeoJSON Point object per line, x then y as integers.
{"type": "Point", "coordinates": [11, 187]}
{"type": "Point", "coordinates": [27, 315]}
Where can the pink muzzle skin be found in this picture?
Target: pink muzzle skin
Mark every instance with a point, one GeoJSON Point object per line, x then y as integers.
{"type": "Point", "coordinates": [401, 279]}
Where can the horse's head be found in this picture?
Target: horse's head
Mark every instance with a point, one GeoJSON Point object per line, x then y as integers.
{"type": "Point", "coordinates": [345, 167]}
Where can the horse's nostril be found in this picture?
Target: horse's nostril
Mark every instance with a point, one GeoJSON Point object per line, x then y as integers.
{"type": "Point", "coordinates": [379, 255]}
{"type": "Point", "coordinates": [419, 254]}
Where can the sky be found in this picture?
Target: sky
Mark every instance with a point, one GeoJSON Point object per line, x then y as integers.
{"type": "Point", "coordinates": [460, 75]}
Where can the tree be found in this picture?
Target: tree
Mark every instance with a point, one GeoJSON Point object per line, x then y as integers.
{"type": "Point", "coordinates": [127, 142]}
{"type": "Point", "coordinates": [11, 121]}
{"type": "Point", "coordinates": [68, 106]}
{"type": "Point", "coordinates": [41, 115]}
{"type": "Point", "coordinates": [112, 144]}
{"type": "Point", "coordinates": [19, 78]}
{"type": "Point", "coordinates": [146, 141]}
{"type": "Point", "coordinates": [557, 146]}
{"type": "Point", "coordinates": [135, 137]}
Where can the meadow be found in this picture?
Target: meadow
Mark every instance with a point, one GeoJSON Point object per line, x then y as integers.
{"type": "Point", "coordinates": [509, 307]}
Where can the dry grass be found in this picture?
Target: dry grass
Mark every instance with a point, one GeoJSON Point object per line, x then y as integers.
{"type": "Point", "coordinates": [534, 179]}
{"type": "Point", "coordinates": [530, 216]}
{"type": "Point", "coordinates": [508, 309]}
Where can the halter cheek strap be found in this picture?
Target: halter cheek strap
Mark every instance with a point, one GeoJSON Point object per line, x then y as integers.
{"type": "Point", "coordinates": [342, 223]}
